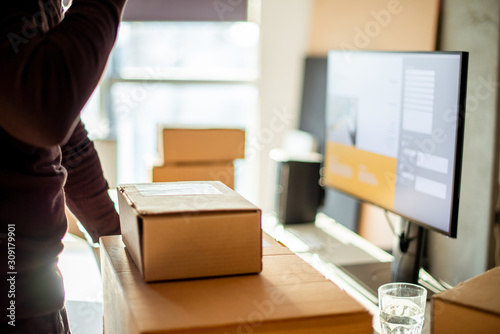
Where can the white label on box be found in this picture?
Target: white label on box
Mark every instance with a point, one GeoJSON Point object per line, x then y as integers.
{"type": "Point", "coordinates": [265, 243]}
{"type": "Point", "coordinates": [177, 189]}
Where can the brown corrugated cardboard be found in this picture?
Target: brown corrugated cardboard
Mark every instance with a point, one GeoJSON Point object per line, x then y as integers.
{"type": "Point", "coordinates": [472, 306]}
{"type": "Point", "coordinates": [223, 172]}
{"type": "Point", "coordinates": [178, 230]}
{"type": "Point", "coordinates": [200, 144]}
{"type": "Point", "coordinates": [373, 25]}
{"type": "Point", "coordinates": [289, 296]}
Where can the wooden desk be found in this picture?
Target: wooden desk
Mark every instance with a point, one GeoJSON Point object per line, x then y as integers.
{"type": "Point", "coordinates": [289, 296]}
{"type": "Point", "coordinates": [342, 247]}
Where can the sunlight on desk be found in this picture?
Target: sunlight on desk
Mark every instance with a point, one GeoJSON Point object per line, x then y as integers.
{"type": "Point", "coordinates": [83, 286]}
{"type": "Point", "coordinates": [327, 245]}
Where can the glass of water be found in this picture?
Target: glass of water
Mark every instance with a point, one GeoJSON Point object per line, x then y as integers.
{"type": "Point", "coordinates": [402, 308]}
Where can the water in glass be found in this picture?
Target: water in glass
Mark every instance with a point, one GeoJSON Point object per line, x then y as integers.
{"type": "Point", "coordinates": [401, 317]}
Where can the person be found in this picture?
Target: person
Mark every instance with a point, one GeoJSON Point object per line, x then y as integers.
{"type": "Point", "coordinates": [51, 60]}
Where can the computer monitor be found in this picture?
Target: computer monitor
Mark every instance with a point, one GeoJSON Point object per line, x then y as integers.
{"type": "Point", "coordinates": [344, 208]}
{"type": "Point", "coordinates": [395, 127]}
{"type": "Point", "coordinates": [394, 138]}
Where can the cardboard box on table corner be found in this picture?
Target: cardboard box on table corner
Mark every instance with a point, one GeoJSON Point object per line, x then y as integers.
{"type": "Point", "coordinates": [472, 306]}
{"type": "Point", "coordinates": [288, 297]}
{"type": "Point", "coordinates": [193, 229]}
{"type": "Point", "coordinates": [184, 145]}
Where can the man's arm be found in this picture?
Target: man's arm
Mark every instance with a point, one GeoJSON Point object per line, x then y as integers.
{"type": "Point", "coordinates": [50, 70]}
{"type": "Point", "coordinates": [86, 189]}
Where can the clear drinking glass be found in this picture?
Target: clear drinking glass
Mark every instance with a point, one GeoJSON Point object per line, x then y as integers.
{"type": "Point", "coordinates": [402, 308]}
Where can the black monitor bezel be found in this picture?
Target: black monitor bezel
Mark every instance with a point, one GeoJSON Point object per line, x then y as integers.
{"type": "Point", "coordinates": [459, 144]}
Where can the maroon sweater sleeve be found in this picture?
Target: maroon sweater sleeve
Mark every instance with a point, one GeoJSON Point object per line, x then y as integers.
{"type": "Point", "coordinates": [58, 64]}
{"type": "Point", "coordinates": [86, 189]}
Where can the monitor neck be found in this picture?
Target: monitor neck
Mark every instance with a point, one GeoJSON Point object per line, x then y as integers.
{"type": "Point", "coordinates": [408, 252]}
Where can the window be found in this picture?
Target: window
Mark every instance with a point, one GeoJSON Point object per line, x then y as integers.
{"type": "Point", "coordinates": [175, 73]}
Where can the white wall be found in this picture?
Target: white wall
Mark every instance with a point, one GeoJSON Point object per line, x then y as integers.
{"type": "Point", "coordinates": [284, 40]}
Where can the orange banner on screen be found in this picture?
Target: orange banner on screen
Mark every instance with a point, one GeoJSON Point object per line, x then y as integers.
{"type": "Point", "coordinates": [363, 174]}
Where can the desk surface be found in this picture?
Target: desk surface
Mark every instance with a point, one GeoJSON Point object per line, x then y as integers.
{"type": "Point", "coordinates": [329, 254]}
{"type": "Point", "coordinates": [78, 263]}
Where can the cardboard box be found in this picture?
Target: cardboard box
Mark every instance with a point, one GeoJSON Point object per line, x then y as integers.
{"type": "Point", "coordinates": [472, 306]}
{"type": "Point", "coordinates": [373, 25]}
{"type": "Point", "coordinates": [179, 230]}
{"type": "Point", "coordinates": [177, 145]}
{"type": "Point", "coordinates": [223, 172]}
{"type": "Point", "coordinates": [289, 296]}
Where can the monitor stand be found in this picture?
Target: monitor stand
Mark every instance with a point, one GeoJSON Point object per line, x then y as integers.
{"type": "Point", "coordinates": [369, 275]}
{"type": "Point", "coordinates": [405, 267]}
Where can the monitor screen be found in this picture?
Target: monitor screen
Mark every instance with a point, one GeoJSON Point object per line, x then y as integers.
{"type": "Point", "coordinates": [394, 134]}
